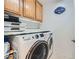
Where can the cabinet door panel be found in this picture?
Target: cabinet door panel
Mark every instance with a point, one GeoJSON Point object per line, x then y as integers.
{"type": "Point", "coordinates": [39, 11]}
{"type": "Point", "coordinates": [12, 6]}
{"type": "Point", "coordinates": [29, 8]}
{"type": "Point", "coordinates": [21, 7]}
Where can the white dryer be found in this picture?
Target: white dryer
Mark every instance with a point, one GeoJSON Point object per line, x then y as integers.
{"type": "Point", "coordinates": [35, 45]}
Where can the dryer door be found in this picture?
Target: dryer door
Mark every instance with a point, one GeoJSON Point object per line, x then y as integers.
{"type": "Point", "coordinates": [38, 51]}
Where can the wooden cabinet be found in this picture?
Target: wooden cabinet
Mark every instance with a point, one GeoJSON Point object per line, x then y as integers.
{"type": "Point", "coordinates": [39, 11]}
{"type": "Point", "coordinates": [29, 8]}
{"type": "Point", "coordinates": [12, 6]}
{"type": "Point", "coordinates": [21, 7]}
{"type": "Point", "coordinates": [26, 8]}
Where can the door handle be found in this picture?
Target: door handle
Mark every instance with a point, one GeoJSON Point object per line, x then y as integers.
{"type": "Point", "coordinates": [73, 41]}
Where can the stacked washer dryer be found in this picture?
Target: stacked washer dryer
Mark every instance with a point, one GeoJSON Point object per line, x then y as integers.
{"type": "Point", "coordinates": [34, 45]}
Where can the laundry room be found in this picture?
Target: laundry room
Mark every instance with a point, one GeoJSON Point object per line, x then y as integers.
{"type": "Point", "coordinates": [39, 29]}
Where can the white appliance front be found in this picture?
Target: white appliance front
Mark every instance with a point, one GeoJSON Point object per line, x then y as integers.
{"type": "Point", "coordinates": [32, 46]}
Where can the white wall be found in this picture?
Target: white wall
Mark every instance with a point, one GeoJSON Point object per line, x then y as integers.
{"type": "Point", "coordinates": [62, 27]}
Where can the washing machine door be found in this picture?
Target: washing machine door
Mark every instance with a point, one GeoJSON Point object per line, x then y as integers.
{"type": "Point", "coordinates": [50, 42]}
{"type": "Point", "coordinates": [38, 51]}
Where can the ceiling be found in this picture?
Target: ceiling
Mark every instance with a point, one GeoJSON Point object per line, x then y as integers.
{"type": "Point", "coordinates": [49, 1]}
{"type": "Point", "coordinates": [54, 0]}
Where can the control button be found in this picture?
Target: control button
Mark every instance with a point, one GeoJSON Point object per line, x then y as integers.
{"type": "Point", "coordinates": [33, 37]}
{"type": "Point", "coordinates": [41, 35]}
{"type": "Point", "coordinates": [51, 34]}
{"type": "Point", "coordinates": [37, 36]}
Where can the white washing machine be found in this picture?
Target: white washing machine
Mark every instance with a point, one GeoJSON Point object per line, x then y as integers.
{"type": "Point", "coordinates": [34, 45]}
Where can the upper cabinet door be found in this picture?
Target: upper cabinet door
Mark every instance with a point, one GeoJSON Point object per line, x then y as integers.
{"type": "Point", "coordinates": [12, 6]}
{"type": "Point", "coordinates": [39, 11]}
{"type": "Point", "coordinates": [29, 8]}
{"type": "Point", "coordinates": [21, 7]}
